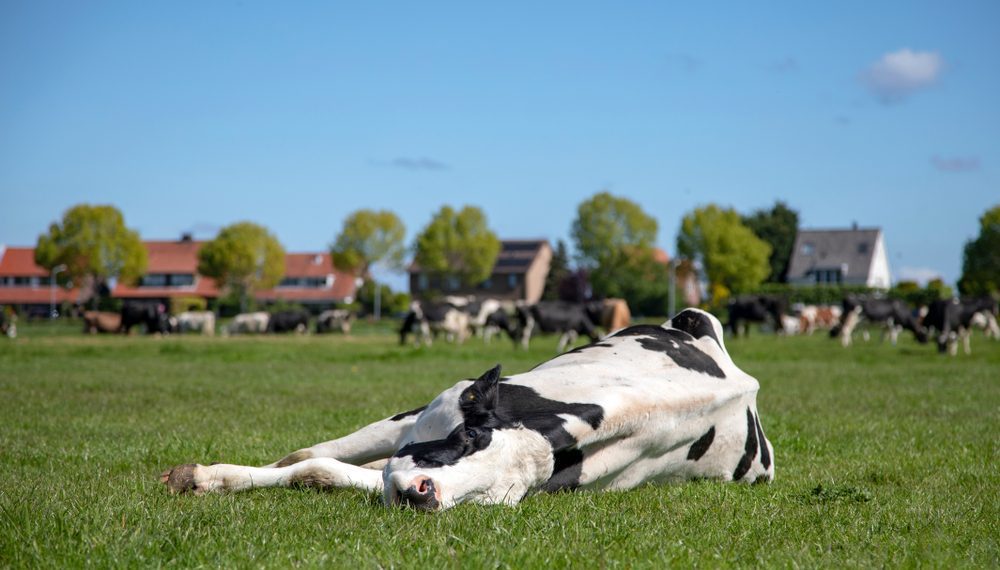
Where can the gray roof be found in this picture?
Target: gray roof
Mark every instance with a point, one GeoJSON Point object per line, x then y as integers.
{"type": "Point", "coordinates": [516, 256]}
{"type": "Point", "coordinates": [831, 249]}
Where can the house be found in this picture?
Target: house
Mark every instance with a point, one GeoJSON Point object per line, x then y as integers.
{"type": "Point", "coordinates": [25, 286]}
{"type": "Point", "coordinates": [854, 256]}
{"type": "Point", "coordinates": [311, 280]}
{"type": "Point", "coordinates": [518, 274]}
{"type": "Point", "coordinates": [171, 271]}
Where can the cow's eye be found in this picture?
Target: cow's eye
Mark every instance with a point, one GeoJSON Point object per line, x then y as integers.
{"type": "Point", "coordinates": [471, 433]}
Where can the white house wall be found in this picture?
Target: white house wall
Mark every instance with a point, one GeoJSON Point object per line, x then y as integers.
{"type": "Point", "coordinates": [878, 275]}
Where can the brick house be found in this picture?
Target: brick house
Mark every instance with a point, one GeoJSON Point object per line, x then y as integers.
{"type": "Point", "coordinates": [518, 274]}
{"type": "Point", "coordinates": [25, 286]}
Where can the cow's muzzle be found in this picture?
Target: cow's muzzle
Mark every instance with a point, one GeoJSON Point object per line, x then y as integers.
{"type": "Point", "coordinates": [421, 494]}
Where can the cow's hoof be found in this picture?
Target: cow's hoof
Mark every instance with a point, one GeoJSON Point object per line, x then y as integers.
{"type": "Point", "coordinates": [180, 479]}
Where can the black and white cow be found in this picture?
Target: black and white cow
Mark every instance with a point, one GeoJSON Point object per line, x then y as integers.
{"type": "Point", "coordinates": [152, 315]}
{"type": "Point", "coordinates": [893, 314]}
{"type": "Point", "coordinates": [288, 321]}
{"type": "Point", "coordinates": [570, 320]}
{"type": "Point", "coordinates": [335, 320]}
{"type": "Point", "coordinates": [746, 309]}
{"type": "Point", "coordinates": [953, 319]}
{"type": "Point", "coordinates": [431, 318]}
{"type": "Point", "coordinates": [645, 404]}
{"type": "Point", "coordinates": [8, 324]}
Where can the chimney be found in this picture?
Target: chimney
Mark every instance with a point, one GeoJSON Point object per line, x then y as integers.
{"type": "Point", "coordinates": [854, 225]}
{"type": "Point", "coordinates": [186, 237]}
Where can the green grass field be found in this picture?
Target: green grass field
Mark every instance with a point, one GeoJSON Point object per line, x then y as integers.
{"type": "Point", "coordinates": [885, 456]}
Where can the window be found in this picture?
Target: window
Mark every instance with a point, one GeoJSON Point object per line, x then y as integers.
{"type": "Point", "coordinates": [863, 247]}
{"type": "Point", "coordinates": [453, 283]}
{"type": "Point", "coordinates": [153, 280]}
{"type": "Point", "coordinates": [486, 284]}
{"type": "Point", "coordinates": [422, 282]}
{"type": "Point", "coordinates": [512, 281]}
{"type": "Point", "coordinates": [167, 280]}
{"type": "Point", "coordinates": [181, 280]}
{"type": "Point", "coordinates": [807, 249]}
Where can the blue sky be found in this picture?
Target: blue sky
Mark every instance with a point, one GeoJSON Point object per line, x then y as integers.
{"type": "Point", "coordinates": [190, 116]}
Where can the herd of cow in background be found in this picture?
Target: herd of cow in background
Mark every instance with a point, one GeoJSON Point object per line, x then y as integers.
{"type": "Point", "coordinates": [946, 322]}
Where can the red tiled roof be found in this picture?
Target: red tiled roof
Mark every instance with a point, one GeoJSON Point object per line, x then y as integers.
{"type": "Point", "coordinates": [660, 256]}
{"type": "Point", "coordinates": [312, 265]}
{"type": "Point", "coordinates": [20, 262]}
{"type": "Point", "coordinates": [178, 256]}
{"type": "Point", "coordinates": [36, 295]}
{"type": "Point", "coordinates": [308, 265]}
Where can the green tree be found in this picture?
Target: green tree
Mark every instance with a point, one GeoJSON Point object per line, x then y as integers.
{"type": "Point", "coordinates": [981, 258]}
{"type": "Point", "coordinates": [733, 258]}
{"type": "Point", "coordinates": [635, 276]}
{"type": "Point", "coordinates": [369, 237]}
{"type": "Point", "coordinates": [95, 246]}
{"type": "Point", "coordinates": [614, 238]}
{"type": "Point", "coordinates": [459, 244]}
{"type": "Point", "coordinates": [606, 224]}
{"type": "Point", "coordinates": [558, 271]}
{"type": "Point", "coordinates": [244, 257]}
{"type": "Point", "coordinates": [778, 227]}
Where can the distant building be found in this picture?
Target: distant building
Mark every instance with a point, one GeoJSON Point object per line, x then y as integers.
{"type": "Point", "coordinates": [688, 289]}
{"type": "Point", "coordinates": [854, 256]}
{"type": "Point", "coordinates": [171, 271]}
{"type": "Point", "coordinates": [518, 274]}
{"type": "Point", "coordinates": [24, 285]}
{"type": "Point", "coordinates": [311, 280]}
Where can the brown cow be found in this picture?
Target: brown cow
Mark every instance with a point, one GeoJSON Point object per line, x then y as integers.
{"type": "Point", "coordinates": [101, 322]}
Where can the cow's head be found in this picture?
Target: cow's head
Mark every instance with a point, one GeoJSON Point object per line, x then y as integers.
{"type": "Point", "coordinates": [486, 459]}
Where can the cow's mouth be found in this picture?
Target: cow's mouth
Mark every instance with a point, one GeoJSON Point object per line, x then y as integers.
{"type": "Point", "coordinates": [421, 494]}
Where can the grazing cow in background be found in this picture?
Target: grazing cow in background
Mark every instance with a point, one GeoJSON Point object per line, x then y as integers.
{"type": "Point", "coordinates": [615, 314]}
{"type": "Point", "coordinates": [479, 312]}
{"type": "Point", "coordinates": [101, 322]}
{"type": "Point", "coordinates": [894, 315]}
{"type": "Point", "coordinates": [813, 317]}
{"type": "Point", "coordinates": [196, 321]}
{"type": "Point", "coordinates": [499, 321]}
{"type": "Point", "coordinates": [288, 321]}
{"type": "Point", "coordinates": [953, 319]}
{"type": "Point", "coordinates": [747, 309]}
{"type": "Point", "coordinates": [248, 323]}
{"type": "Point", "coordinates": [152, 316]}
{"type": "Point", "coordinates": [435, 317]}
{"type": "Point", "coordinates": [646, 404]}
{"type": "Point", "coordinates": [334, 320]}
{"type": "Point", "coordinates": [567, 319]}
{"type": "Point", "coordinates": [8, 324]}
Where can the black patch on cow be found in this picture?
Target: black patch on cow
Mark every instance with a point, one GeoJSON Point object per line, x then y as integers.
{"type": "Point", "coordinates": [489, 404]}
{"type": "Point", "coordinates": [749, 449]}
{"type": "Point", "coordinates": [685, 353]}
{"type": "Point", "coordinates": [566, 470]}
{"type": "Point", "coordinates": [694, 323]}
{"type": "Point", "coordinates": [765, 455]}
{"type": "Point", "coordinates": [699, 447]}
{"type": "Point", "coordinates": [402, 415]}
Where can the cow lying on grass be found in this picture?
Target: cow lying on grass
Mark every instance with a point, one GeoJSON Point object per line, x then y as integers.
{"type": "Point", "coordinates": [645, 404]}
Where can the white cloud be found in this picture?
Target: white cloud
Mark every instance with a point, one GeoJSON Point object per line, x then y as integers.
{"type": "Point", "coordinates": [919, 274]}
{"type": "Point", "coordinates": [898, 74]}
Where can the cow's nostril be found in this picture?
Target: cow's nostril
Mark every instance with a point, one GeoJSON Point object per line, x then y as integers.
{"type": "Point", "coordinates": [420, 494]}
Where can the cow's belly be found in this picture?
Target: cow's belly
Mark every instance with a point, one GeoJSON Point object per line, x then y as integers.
{"type": "Point", "coordinates": [661, 452]}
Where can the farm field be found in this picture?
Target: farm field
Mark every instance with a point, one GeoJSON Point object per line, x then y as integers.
{"type": "Point", "coordinates": [885, 456]}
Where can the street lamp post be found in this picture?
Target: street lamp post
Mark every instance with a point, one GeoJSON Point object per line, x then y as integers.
{"type": "Point", "coordinates": [52, 289]}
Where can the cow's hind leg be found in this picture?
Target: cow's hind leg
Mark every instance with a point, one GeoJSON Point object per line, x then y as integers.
{"type": "Point", "coordinates": [321, 472]}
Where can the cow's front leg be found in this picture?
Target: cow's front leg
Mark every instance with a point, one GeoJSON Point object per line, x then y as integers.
{"type": "Point", "coordinates": [321, 472]}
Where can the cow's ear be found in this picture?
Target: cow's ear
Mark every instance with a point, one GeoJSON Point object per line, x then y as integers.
{"type": "Point", "coordinates": [482, 396]}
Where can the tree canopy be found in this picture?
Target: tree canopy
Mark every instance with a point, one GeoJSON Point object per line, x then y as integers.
{"type": "Point", "coordinates": [778, 227]}
{"type": "Point", "coordinates": [981, 257]}
{"type": "Point", "coordinates": [244, 257]}
{"type": "Point", "coordinates": [369, 237]}
{"type": "Point", "coordinates": [606, 225]}
{"type": "Point", "coordinates": [459, 244]}
{"type": "Point", "coordinates": [733, 258]}
{"type": "Point", "coordinates": [94, 244]}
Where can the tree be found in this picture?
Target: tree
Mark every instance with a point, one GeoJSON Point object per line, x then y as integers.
{"type": "Point", "coordinates": [614, 239]}
{"type": "Point", "coordinates": [95, 246]}
{"type": "Point", "coordinates": [558, 271]}
{"type": "Point", "coordinates": [606, 224]}
{"type": "Point", "coordinates": [244, 257]}
{"type": "Point", "coordinates": [458, 244]}
{"type": "Point", "coordinates": [981, 258]}
{"type": "Point", "coordinates": [778, 227]}
{"type": "Point", "coordinates": [367, 238]}
{"type": "Point", "coordinates": [734, 259]}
